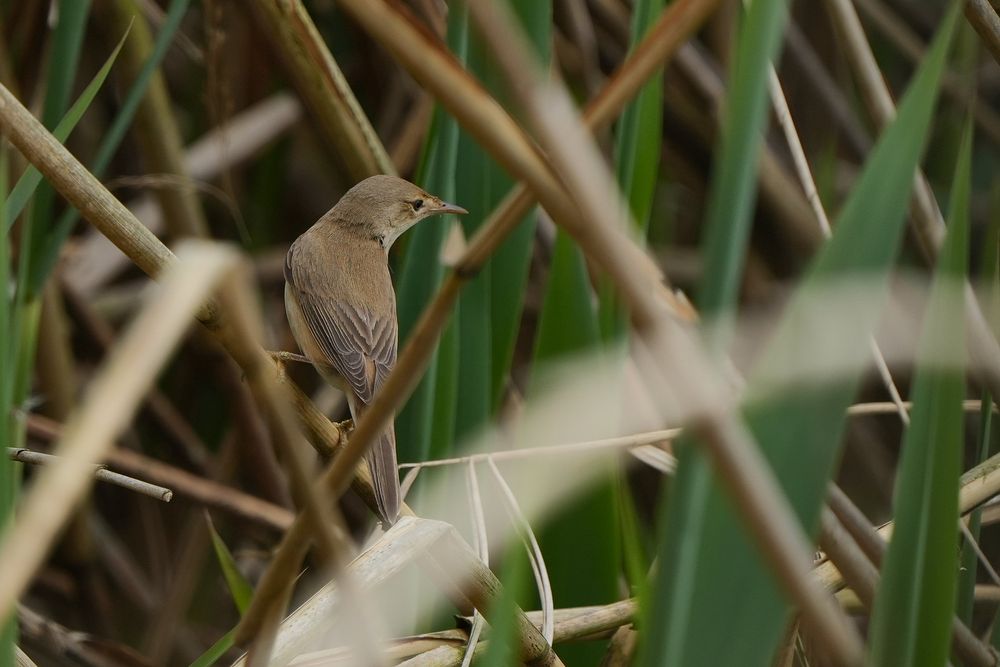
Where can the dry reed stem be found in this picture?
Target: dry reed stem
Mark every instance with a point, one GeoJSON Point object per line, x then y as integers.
{"type": "Point", "coordinates": [621, 648]}
{"type": "Point", "coordinates": [322, 85]}
{"type": "Point", "coordinates": [911, 45]}
{"type": "Point", "coordinates": [329, 527]}
{"type": "Point", "coordinates": [984, 19]}
{"type": "Point", "coordinates": [99, 471]}
{"type": "Point", "coordinates": [187, 485]}
{"type": "Point", "coordinates": [863, 578]}
{"type": "Point", "coordinates": [735, 456]}
{"type": "Point", "coordinates": [107, 408]}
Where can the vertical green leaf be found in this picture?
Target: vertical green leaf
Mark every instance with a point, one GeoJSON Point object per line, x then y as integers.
{"type": "Point", "coordinates": [239, 587]}
{"type": "Point", "coordinates": [568, 324]}
{"type": "Point", "coordinates": [911, 621]}
{"type": "Point", "coordinates": [422, 273]}
{"type": "Point", "coordinates": [508, 268]}
{"type": "Point", "coordinates": [502, 649]}
{"type": "Point", "coordinates": [30, 179]}
{"type": "Point", "coordinates": [730, 207]}
{"type": "Point", "coordinates": [711, 576]}
{"type": "Point", "coordinates": [638, 141]}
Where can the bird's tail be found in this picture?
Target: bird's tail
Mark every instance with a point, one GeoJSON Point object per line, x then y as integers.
{"type": "Point", "coordinates": [382, 463]}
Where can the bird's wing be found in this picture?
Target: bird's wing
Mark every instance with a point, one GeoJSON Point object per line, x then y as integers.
{"type": "Point", "coordinates": [357, 341]}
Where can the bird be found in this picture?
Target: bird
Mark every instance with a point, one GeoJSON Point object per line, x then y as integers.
{"type": "Point", "coordinates": [341, 305]}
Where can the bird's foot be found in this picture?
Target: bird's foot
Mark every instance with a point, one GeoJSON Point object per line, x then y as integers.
{"type": "Point", "coordinates": [346, 426]}
{"type": "Point", "coordinates": [283, 357]}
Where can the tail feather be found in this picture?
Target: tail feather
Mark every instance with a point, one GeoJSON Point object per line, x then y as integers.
{"type": "Point", "coordinates": [381, 459]}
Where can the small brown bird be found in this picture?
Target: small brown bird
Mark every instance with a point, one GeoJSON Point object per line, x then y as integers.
{"type": "Point", "coordinates": [342, 308]}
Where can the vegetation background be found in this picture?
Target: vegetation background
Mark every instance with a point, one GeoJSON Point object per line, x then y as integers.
{"type": "Point", "coordinates": [665, 232]}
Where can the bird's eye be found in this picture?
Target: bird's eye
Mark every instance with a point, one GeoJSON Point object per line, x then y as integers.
{"type": "Point", "coordinates": [417, 204]}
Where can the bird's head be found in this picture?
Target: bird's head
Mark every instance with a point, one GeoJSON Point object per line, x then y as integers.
{"type": "Point", "coordinates": [386, 206]}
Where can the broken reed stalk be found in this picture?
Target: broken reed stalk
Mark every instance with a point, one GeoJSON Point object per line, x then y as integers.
{"type": "Point", "coordinates": [100, 472]}
{"type": "Point", "coordinates": [206, 491]}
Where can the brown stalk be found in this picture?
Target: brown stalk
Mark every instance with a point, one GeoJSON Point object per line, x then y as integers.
{"type": "Point", "coordinates": [621, 648]}
{"type": "Point", "coordinates": [322, 85]}
{"type": "Point", "coordinates": [984, 19]}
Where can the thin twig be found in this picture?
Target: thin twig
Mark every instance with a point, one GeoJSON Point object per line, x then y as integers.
{"type": "Point", "coordinates": [100, 471]}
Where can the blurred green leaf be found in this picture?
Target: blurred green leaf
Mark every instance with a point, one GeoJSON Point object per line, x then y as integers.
{"type": "Point", "coordinates": [502, 649]}
{"type": "Point", "coordinates": [239, 588]}
{"type": "Point", "coordinates": [567, 325]}
{"type": "Point", "coordinates": [216, 650]}
{"type": "Point", "coordinates": [911, 621]}
{"type": "Point", "coordinates": [734, 181]}
{"type": "Point", "coordinates": [507, 270]}
{"type": "Point", "coordinates": [711, 576]}
{"type": "Point", "coordinates": [638, 142]}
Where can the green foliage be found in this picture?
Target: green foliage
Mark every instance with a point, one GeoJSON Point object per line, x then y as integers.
{"type": "Point", "coordinates": [638, 141]}
{"type": "Point", "coordinates": [422, 273]}
{"type": "Point", "coordinates": [911, 621]}
{"type": "Point", "coordinates": [711, 575]}
{"type": "Point", "coordinates": [502, 648]}
{"type": "Point", "coordinates": [730, 208]}
{"type": "Point", "coordinates": [239, 587]}
{"type": "Point", "coordinates": [568, 324]}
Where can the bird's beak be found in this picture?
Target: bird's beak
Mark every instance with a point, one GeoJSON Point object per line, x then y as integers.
{"type": "Point", "coordinates": [445, 207]}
